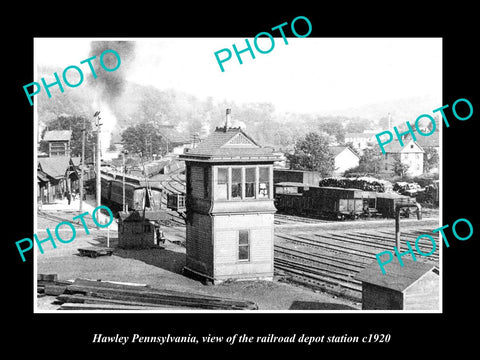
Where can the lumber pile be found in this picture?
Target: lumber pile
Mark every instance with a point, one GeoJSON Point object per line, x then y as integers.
{"type": "Point", "coordinates": [48, 284]}
{"type": "Point", "coordinates": [104, 295]}
{"type": "Point", "coordinates": [364, 183]}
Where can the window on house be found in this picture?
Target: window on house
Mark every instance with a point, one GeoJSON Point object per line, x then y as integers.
{"type": "Point", "coordinates": [243, 245]}
{"type": "Point", "coordinates": [221, 188]}
{"type": "Point", "coordinates": [264, 182]}
{"type": "Point", "coordinates": [236, 183]}
{"type": "Point", "coordinates": [250, 182]}
{"type": "Point", "coordinates": [411, 146]}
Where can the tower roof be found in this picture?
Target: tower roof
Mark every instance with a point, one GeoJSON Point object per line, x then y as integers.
{"type": "Point", "coordinates": [229, 144]}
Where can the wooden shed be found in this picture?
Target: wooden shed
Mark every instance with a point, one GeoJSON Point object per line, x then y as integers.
{"type": "Point", "coordinates": [415, 286]}
{"type": "Point", "coordinates": [138, 231]}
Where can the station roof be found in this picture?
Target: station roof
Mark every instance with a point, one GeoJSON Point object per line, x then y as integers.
{"type": "Point", "coordinates": [55, 166]}
{"type": "Point", "coordinates": [396, 277]}
{"type": "Point", "coordinates": [229, 144]}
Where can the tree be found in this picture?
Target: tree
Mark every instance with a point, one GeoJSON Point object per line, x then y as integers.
{"type": "Point", "coordinates": [357, 125]}
{"type": "Point", "coordinates": [144, 139]}
{"type": "Point", "coordinates": [430, 159]}
{"type": "Point", "coordinates": [399, 168]}
{"type": "Point", "coordinates": [371, 162]}
{"type": "Point", "coordinates": [334, 128]}
{"type": "Point", "coordinates": [312, 153]}
{"type": "Point", "coordinates": [74, 123]}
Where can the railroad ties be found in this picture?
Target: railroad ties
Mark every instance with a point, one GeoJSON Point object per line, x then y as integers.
{"type": "Point", "coordinates": [329, 260]}
{"type": "Point", "coordinates": [83, 294]}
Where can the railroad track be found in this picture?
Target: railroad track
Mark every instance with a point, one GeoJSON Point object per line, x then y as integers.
{"type": "Point", "coordinates": [293, 219]}
{"type": "Point", "coordinates": [329, 261]}
{"type": "Point", "coordinates": [57, 219]}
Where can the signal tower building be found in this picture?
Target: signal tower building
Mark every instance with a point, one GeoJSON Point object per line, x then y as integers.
{"type": "Point", "coordinates": [229, 207]}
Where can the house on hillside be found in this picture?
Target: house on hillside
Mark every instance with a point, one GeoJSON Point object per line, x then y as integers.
{"type": "Point", "coordinates": [411, 154]}
{"type": "Point", "coordinates": [345, 158]}
{"type": "Point", "coordinates": [430, 144]}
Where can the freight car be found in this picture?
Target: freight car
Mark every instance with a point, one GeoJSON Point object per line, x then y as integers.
{"type": "Point", "coordinates": [387, 202]}
{"type": "Point", "coordinates": [324, 202]}
{"type": "Point", "coordinates": [136, 194]}
{"type": "Point", "coordinates": [337, 203]}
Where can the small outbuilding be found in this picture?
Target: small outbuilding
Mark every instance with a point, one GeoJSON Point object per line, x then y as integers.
{"type": "Point", "coordinates": [415, 286]}
{"type": "Point", "coordinates": [139, 231]}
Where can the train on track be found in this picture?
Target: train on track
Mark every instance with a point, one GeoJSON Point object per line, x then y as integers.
{"type": "Point", "coordinates": [137, 196]}
{"type": "Point", "coordinates": [339, 203]}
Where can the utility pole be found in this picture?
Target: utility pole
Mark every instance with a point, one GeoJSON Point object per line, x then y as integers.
{"type": "Point", "coordinates": [98, 177]}
{"type": "Point", "coordinates": [82, 166]}
{"type": "Point", "coordinates": [124, 208]}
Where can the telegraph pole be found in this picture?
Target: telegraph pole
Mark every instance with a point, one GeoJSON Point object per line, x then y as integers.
{"type": "Point", "coordinates": [98, 178]}
{"type": "Point", "coordinates": [124, 208]}
{"type": "Point", "coordinates": [82, 166]}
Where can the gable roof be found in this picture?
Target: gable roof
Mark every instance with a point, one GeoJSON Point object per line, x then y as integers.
{"type": "Point", "coordinates": [55, 166]}
{"type": "Point", "coordinates": [395, 147]}
{"type": "Point", "coordinates": [336, 150]}
{"type": "Point", "coordinates": [396, 277]}
{"type": "Point", "coordinates": [432, 140]}
{"type": "Point", "coordinates": [57, 135]}
{"type": "Point", "coordinates": [229, 144]}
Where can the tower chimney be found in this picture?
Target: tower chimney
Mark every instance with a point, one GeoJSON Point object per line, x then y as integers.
{"type": "Point", "coordinates": [228, 122]}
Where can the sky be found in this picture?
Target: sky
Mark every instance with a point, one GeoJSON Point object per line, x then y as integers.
{"type": "Point", "coordinates": [306, 75]}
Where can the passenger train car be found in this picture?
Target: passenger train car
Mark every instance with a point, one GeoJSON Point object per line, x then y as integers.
{"type": "Point", "coordinates": [136, 194]}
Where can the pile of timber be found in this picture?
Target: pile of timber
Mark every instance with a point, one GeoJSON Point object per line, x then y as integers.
{"type": "Point", "coordinates": [83, 294]}
{"type": "Point", "coordinates": [362, 183]}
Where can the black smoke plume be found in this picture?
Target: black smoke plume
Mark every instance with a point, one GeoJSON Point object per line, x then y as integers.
{"type": "Point", "coordinates": [110, 85]}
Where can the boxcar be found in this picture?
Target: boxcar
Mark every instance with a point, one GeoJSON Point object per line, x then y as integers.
{"type": "Point", "coordinates": [288, 197]}
{"type": "Point", "coordinates": [386, 203]}
{"type": "Point", "coordinates": [339, 203]}
{"type": "Point", "coordinates": [325, 202]}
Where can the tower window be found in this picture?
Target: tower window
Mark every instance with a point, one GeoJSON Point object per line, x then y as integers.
{"type": "Point", "coordinates": [250, 182]}
{"type": "Point", "coordinates": [264, 182]}
{"type": "Point", "coordinates": [222, 183]}
{"type": "Point", "coordinates": [236, 183]}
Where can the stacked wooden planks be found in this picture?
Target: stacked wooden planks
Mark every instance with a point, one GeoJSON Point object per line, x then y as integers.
{"type": "Point", "coordinates": [103, 295]}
